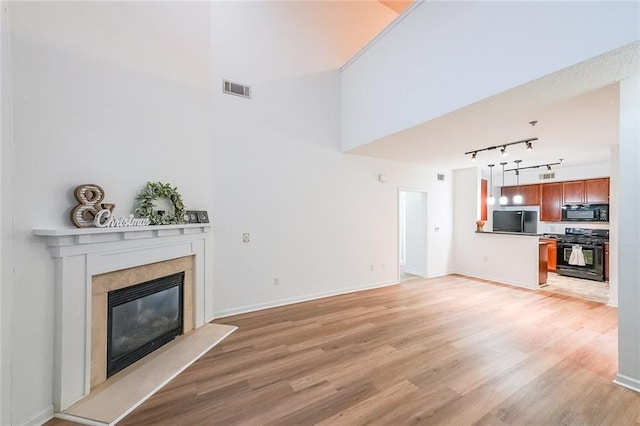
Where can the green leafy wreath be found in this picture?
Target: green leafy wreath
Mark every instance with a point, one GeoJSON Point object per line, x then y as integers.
{"type": "Point", "coordinates": [152, 192]}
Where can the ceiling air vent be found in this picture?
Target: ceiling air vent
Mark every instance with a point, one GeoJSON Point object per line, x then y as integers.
{"type": "Point", "coordinates": [236, 89]}
{"type": "Point", "coordinates": [441, 177]}
{"type": "Point", "coordinates": [548, 175]}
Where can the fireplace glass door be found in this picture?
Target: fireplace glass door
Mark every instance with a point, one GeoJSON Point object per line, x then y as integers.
{"type": "Point", "coordinates": [142, 318]}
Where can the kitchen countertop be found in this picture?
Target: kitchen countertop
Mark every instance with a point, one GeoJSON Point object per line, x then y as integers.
{"type": "Point", "coordinates": [508, 233]}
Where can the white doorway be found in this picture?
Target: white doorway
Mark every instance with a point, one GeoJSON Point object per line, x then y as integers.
{"type": "Point", "coordinates": [412, 231]}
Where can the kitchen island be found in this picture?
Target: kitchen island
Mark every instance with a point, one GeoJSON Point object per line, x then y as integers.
{"type": "Point", "coordinates": [506, 257]}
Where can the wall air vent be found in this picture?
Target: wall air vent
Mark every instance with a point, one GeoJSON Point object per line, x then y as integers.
{"type": "Point", "coordinates": [547, 176]}
{"type": "Point", "coordinates": [236, 89]}
{"type": "Point", "coordinates": [441, 177]}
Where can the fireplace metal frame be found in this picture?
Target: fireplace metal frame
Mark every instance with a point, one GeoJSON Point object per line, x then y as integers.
{"type": "Point", "coordinates": [128, 294]}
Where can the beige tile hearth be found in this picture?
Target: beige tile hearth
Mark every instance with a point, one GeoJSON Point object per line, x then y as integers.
{"type": "Point", "coordinates": [109, 402]}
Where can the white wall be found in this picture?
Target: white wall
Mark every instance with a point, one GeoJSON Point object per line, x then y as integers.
{"type": "Point", "coordinates": [443, 56]}
{"type": "Point", "coordinates": [319, 220]}
{"type": "Point", "coordinates": [6, 278]}
{"type": "Point", "coordinates": [121, 93]}
{"type": "Point", "coordinates": [108, 93]}
{"type": "Point", "coordinates": [416, 233]}
{"type": "Point", "coordinates": [511, 259]}
{"type": "Point", "coordinates": [629, 235]}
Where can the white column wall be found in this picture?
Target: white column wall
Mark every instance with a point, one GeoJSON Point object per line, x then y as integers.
{"type": "Point", "coordinates": [629, 236]}
{"type": "Point", "coordinates": [614, 220]}
{"type": "Point", "coordinates": [6, 226]}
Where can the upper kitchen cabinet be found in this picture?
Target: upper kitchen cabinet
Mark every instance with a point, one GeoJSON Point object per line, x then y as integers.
{"type": "Point", "coordinates": [573, 192]}
{"type": "Point", "coordinates": [530, 194]}
{"type": "Point", "coordinates": [597, 191]}
{"type": "Point", "coordinates": [551, 202]}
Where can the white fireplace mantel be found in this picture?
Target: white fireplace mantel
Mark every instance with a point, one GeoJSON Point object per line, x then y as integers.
{"type": "Point", "coordinates": [79, 254]}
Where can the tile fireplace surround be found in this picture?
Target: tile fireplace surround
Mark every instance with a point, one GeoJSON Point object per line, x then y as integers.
{"type": "Point", "coordinates": [79, 255]}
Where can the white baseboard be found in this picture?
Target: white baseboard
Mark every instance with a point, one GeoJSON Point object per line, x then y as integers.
{"type": "Point", "coordinates": [43, 417]}
{"type": "Point", "coordinates": [627, 382]}
{"type": "Point", "coordinates": [305, 298]}
{"type": "Point", "coordinates": [501, 281]}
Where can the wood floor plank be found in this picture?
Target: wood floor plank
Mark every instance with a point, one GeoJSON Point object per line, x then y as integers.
{"type": "Point", "coordinates": [444, 351]}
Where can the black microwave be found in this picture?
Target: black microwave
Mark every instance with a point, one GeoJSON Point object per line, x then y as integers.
{"type": "Point", "coordinates": [586, 213]}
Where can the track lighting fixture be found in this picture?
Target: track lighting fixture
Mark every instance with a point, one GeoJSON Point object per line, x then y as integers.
{"type": "Point", "coordinates": [503, 199]}
{"type": "Point", "coordinates": [502, 147]}
{"type": "Point", "coordinates": [547, 165]}
{"type": "Point", "coordinates": [490, 199]}
{"type": "Point", "coordinates": [517, 199]}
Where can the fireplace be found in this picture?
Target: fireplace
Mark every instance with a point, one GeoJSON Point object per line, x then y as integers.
{"type": "Point", "coordinates": [142, 318]}
{"type": "Point", "coordinates": [90, 263]}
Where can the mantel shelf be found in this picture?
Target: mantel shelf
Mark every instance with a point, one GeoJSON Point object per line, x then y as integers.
{"type": "Point", "coordinates": [68, 237]}
{"type": "Point", "coordinates": [62, 232]}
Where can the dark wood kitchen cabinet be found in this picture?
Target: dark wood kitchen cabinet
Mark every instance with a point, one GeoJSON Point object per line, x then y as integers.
{"type": "Point", "coordinates": [597, 191]}
{"type": "Point", "coordinates": [552, 253]}
{"type": "Point", "coordinates": [551, 202]}
{"type": "Point", "coordinates": [530, 194]}
{"type": "Point", "coordinates": [573, 192]}
{"type": "Point", "coordinates": [483, 199]}
{"type": "Point", "coordinates": [542, 262]}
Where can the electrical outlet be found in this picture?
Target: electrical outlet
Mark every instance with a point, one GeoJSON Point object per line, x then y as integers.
{"type": "Point", "coordinates": [246, 237]}
{"type": "Point", "coordinates": [276, 281]}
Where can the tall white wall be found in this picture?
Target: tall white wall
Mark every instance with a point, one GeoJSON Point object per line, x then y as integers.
{"type": "Point", "coordinates": [320, 221]}
{"type": "Point", "coordinates": [629, 235]}
{"type": "Point", "coordinates": [121, 93]}
{"type": "Point", "coordinates": [108, 93]}
{"type": "Point", "coordinates": [443, 56]}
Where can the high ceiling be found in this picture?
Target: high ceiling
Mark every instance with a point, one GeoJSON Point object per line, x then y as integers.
{"type": "Point", "coordinates": [576, 110]}
{"type": "Point", "coordinates": [397, 6]}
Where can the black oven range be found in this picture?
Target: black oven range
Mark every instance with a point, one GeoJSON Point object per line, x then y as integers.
{"type": "Point", "coordinates": [581, 253]}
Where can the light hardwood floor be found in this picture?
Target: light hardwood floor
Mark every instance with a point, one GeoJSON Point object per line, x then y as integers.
{"type": "Point", "coordinates": [445, 351]}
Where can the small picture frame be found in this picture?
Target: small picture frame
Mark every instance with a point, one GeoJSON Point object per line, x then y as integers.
{"type": "Point", "coordinates": [203, 216]}
{"type": "Point", "coordinates": [191, 216]}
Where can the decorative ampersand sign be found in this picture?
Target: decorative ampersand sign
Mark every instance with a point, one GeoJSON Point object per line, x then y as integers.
{"type": "Point", "coordinates": [89, 199]}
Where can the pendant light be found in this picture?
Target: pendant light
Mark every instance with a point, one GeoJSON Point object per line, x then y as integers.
{"type": "Point", "coordinates": [503, 199]}
{"type": "Point", "coordinates": [490, 199]}
{"type": "Point", "coordinates": [517, 199]}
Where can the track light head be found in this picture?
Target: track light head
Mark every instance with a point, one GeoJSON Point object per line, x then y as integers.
{"type": "Point", "coordinates": [503, 151]}
{"type": "Point", "coordinates": [474, 155]}
{"type": "Point", "coordinates": [529, 146]}
{"type": "Point", "coordinates": [548, 167]}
